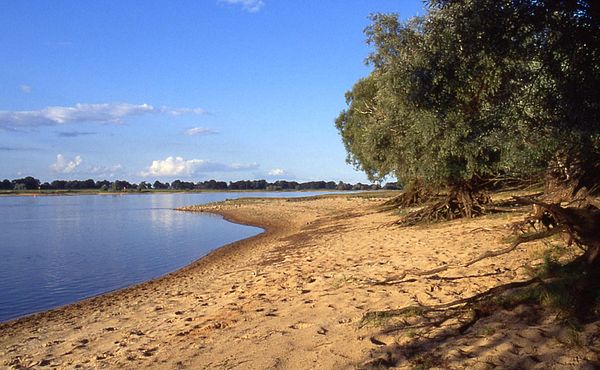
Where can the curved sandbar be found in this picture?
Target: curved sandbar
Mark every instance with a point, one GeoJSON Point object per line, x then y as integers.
{"type": "Point", "coordinates": [293, 297]}
{"type": "Point", "coordinates": [100, 331]}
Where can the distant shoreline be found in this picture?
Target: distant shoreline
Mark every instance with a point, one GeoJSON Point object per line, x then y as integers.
{"type": "Point", "coordinates": [36, 193]}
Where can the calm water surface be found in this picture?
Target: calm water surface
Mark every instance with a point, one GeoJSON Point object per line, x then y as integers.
{"type": "Point", "coordinates": [56, 250]}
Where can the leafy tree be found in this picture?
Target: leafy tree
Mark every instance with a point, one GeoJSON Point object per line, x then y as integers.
{"type": "Point", "coordinates": [548, 53]}
{"type": "Point", "coordinates": [474, 90]}
{"type": "Point", "coordinates": [104, 184]}
{"type": "Point", "coordinates": [88, 184]}
{"type": "Point", "coordinates": [58, 184]}
{"type": "Point", "coordinates": [120, 185]}
{"type": "Point", "coordinates": [182, 185]}
{"type": "Point", "coordinates": [6, 185]}
{"type": "Point", "coordinates": [26, 183]}
{"type": "Point", "coordinates": [159, 185]}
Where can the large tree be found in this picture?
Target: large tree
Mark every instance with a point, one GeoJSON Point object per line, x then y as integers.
{"type": "Point", "coordinates": [476, 89]}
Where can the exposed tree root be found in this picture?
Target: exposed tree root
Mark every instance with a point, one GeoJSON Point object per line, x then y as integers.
{"type": "Point", "coordinates": [458, 204]}
{"type": "Point", "coordinates": [452, 278]}
{"type": "Point", "coordinates": [580, 224]}
{"type": "Point", "coordinates": [415, 193]}
{"type": "Point", "coordinates": [456, 317]}
{"type": "Point", "coordinates": [571, 175]}
{"type": "Point", "coordinates": [461, 202]}
{"type": "Point", "coordinates": [492, 292]}
{"type": "Point", "coordinates": [519, 240]}
{"type": "Point", "coordinates": [572, 289]}
{"type": "Point", "coordinates": [392, 280]}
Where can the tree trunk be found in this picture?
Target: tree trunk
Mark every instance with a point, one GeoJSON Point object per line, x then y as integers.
{"type": "Point", "coordinates": [463, 201]}
{"type": "Point", "coordinates": [570, 176]}
{"type": "Point", "coordinates": [592, 255]}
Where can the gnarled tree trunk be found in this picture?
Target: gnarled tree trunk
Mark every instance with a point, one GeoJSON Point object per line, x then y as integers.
{"type": "Point", "coordinates": [570, 176]}
{"type": "Point", "coordinates": [464, 200]}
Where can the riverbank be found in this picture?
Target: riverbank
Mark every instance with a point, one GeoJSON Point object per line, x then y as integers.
{"type": "Point", "coordinates": [294, 297]}
{"type": "Point", "coordinates": [37, 193]}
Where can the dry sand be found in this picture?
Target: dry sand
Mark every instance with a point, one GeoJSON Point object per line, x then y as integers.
{"type": "Point", "coordinates": [294, 296]}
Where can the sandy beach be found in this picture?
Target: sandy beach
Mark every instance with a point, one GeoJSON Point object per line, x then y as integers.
{"type": "Point", "coordinates": [294, 297]}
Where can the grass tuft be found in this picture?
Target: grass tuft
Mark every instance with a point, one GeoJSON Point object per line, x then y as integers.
{"type": "Point", "coordinates": [382, 317]}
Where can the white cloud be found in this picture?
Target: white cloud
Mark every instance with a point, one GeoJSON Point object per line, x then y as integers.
{"type": "Point", "coordinates": [25, 88]}
{"type": "Point", "coordinates": [178, 166]}
{"type": "Point", "coordinates": [63, 165]}
{"type": "Point", "coordinates": [180, 111]}
{"type": "Point", "coordinates": [277, 172]}
{"type": "Point", "coordinates": [80, 113]}
{"type": "Point", "coordinates": [173, 166]}
{"type": "Point", "coordinates": [100, 171]}
{"type": "Point", "coordinates": [251, 6]}
{"type": "Point", "coordinates": [199, 131]}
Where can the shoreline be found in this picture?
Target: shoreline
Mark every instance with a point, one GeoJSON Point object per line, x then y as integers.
{"type": "Point", "coordinates": [217, 253]}
{"type": "Point", "coordinates": [217, 259]}
{"type": "Point", "coordinates": [295, 297]}
{"type": "Point", "coordinates": [43, 193]}
{"type": "Point", "coordinates": [199, 261]}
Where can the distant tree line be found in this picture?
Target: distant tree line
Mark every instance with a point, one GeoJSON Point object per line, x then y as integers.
{"type": "Point", "coordinates": [31, 183]}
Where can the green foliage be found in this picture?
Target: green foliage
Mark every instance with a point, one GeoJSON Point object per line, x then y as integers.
{"type": "Point", "coordinates": [568, 289]}
{"type": "Point", "coordinates": [474, 89]}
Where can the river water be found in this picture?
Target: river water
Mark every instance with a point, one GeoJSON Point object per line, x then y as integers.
{"type": "Point", "coordinates": [56, 250]}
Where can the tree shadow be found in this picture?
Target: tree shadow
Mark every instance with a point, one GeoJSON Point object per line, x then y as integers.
{"type": "Point", "coordinates": [552, 320]}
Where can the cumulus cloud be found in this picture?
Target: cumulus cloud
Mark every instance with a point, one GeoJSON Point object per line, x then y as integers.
{"type": "Point", "coordinates": [178, 166]}
{"type": "Point", "coordinates": [276, 172]}
{"type": "Point", "coordinates": [63, 165]}
{"type": "Point", "coordinates": [251, 6]}
{"type": "Point", "coordinates": [172, 166]}
{"type": "Point", "coordinates": [25, 88]}
{"type": "Point", "coordinates": [199, 131]}
{"type": "Point", "coordinates": [81, 113]}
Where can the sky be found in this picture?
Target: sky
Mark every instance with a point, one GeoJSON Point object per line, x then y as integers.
{"type": "Point", "coordinates": [192, 90]}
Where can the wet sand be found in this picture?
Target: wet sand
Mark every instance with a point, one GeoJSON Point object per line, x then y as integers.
{"type": "Point", "coordinates": [294, 297]}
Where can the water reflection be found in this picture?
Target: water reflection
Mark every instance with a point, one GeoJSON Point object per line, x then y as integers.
{"type": "Point", "coordinates": [60, 249]}
{"type": "Point", "coordinates": [57, 250]}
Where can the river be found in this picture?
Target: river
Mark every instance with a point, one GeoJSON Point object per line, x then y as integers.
{"type": "Point", "coordinates": [56, 250]}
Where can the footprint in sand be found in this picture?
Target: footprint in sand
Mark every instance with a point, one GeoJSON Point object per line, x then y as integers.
{"type": "Point", "coordinates": [301, 325]}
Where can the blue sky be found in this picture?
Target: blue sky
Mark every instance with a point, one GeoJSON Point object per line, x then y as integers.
{"type": "Point", "coordinates": [146, 90]}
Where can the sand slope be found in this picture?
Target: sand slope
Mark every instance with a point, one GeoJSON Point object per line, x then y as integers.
{"type": "Point", "coordinates": [293, 297]}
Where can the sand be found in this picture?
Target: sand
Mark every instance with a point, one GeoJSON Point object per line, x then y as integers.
{"type": "Point", "coordinates": [294, 297]}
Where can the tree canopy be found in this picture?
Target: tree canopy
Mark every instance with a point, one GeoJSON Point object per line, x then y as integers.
{"type": "Point", "coordinates": [476, 89]}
